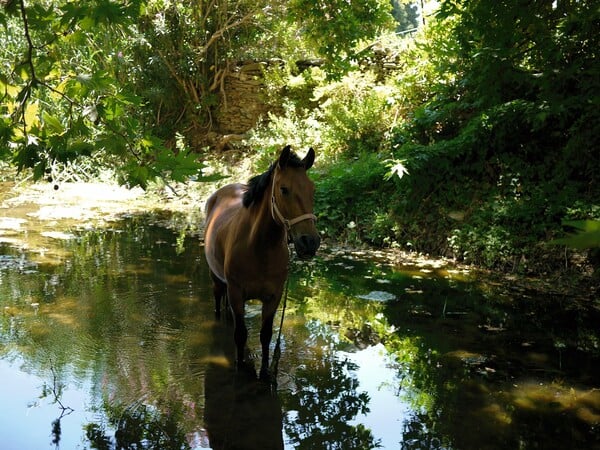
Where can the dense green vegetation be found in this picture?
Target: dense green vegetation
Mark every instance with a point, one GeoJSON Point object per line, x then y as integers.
{"type": "Point", "coordinates": [488, 136]}
{"type": "Point", "coordinates": [478, 143]}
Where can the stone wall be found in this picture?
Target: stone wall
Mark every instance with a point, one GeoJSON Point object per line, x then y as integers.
{"type": "Point", "coordinates": [242, 100]}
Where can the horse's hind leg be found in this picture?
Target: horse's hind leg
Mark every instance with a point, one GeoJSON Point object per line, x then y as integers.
{"type": "Point", "coordinates": [219, 291]}
{"type": "Point", "coordinates": [240, 332]}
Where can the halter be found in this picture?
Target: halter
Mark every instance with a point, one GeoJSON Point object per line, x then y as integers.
{"type": "Point", "coordinates": [276, 213]}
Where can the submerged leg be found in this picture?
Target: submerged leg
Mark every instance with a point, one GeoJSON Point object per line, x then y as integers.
{"type": "Point", "coordinates": [266, 333]}
{"type": "Point", "coordinates": [219, 291]}
{"type": "Point", "coordinates": [240, 333]}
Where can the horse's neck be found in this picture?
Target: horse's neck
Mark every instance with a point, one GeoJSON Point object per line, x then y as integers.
{"type": "Point", "coordinates": [264, 230]}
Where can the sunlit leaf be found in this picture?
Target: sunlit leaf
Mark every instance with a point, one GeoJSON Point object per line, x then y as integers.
{"type": "Point", "coordinates": [86, 23]}
{"type": "Point", "coordinates": [12, 90]}
{"type": "Point", "coordinates": [587, 234]}
{"type": "Point", "coordinates": [23, 72]}
{"type": "Point", "coordinates": [31, 114]}
{"type": "Point", "coordinates": [180, 166]}
{"type": "Point", "coordinates": [53, 123]}
{"type": "Point", "coordinates": [76, 38]}
{"type": "Point", "coordinates": [60, 87]}
{"type": "Point", "coordinates": [396, 167]}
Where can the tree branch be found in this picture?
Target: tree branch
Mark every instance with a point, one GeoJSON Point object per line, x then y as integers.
{"type": "Point", "coordinates": [30, 46]}
{"type": "Point", "coordinates": [228, 26]}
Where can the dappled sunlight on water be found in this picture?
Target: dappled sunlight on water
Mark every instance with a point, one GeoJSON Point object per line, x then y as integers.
{"type": "Point", "coordinates": [108, 338]}
{"type": "Point", "coordinates": [557, 398]}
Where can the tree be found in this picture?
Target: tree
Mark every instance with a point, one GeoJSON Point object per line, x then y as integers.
{"type": "Point", "coordinates": [185, 51]}
{"type": "Point", "coordinates": [406, 15]}
{"type": "Point", "coordinates": [65, 94]}
{"type": "Point", "coordinates": [124, 84]}
{"type": "Point", "coordinates": [529, 77]}
{"type": "Point", "coordinates": [334, 28]}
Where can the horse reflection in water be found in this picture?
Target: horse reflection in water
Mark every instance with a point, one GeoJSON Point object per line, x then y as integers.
{"type": "Point", "coordinates": [246, 237]}
{"type": "Point", "coordinates": [240, 412]}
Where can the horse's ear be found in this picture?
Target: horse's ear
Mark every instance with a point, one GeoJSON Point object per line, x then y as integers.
{"type": "Point", "coordinates": [309, 159]}
{"type": "Point", "coordinates": [284, 157]}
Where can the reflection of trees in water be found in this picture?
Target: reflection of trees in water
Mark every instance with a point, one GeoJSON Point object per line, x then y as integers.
{"type": "Point", "coordinates": [138, 427]}
{"type": "Point", "coordinates": [416, 434]}
{"type": "Point", "coordinates": [118, 310]}
{"type": "Point", "coordinates": [125, 312]}
{"type": "Point", "coordinates": [55, 391]}
{"type": "Point", "coordinates": [326, 401]}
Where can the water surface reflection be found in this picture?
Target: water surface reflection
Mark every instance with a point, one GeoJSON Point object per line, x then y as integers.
{"type": "Point", "coordinates": [112, 343]}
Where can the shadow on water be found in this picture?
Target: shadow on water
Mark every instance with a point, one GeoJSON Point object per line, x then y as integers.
{"type": "Point", "coordinates": [108, 340]}
{"type": "Point", "coordinates": [240, 411]}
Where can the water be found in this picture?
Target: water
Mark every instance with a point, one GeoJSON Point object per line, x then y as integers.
{"type": "Point", "coordinates": [108, 340]}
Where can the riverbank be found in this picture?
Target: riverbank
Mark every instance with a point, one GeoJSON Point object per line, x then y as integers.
{"type": "Point", "coordinates": [31, 214]}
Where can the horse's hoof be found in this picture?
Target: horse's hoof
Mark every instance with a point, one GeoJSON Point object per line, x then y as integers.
{"type": "Point", "coordinates": [266, 376]}
{"type": "Point", "coordinates": [246, 369]}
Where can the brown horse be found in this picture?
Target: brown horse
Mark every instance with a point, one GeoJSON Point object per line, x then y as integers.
{"type": "Point", "coordinates": [246, 237]}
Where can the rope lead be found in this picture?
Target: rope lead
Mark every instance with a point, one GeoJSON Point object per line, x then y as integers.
{"type": "Point", "coordinates": [277, 351]}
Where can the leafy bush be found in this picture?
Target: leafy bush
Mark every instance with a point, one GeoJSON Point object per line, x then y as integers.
{"type": "Point", "coordinates": [67, 92]}
{"type": "Point", "coordinates": [334, 28]}
{"type": "Point", "coordinates": [348, 122]}
{"type": "Point", "coordinates": [493, 117]}
{"type": "Point", "coordinates": [358, 113]}
{"type": "Point", "coordinates": [343, 119]}
{"type": "Point", "coordinates": [352, 202]}
{"type": "Point", "coordinates": [127, 82]}
{"type": "Point", "coordinates": [492, 137]}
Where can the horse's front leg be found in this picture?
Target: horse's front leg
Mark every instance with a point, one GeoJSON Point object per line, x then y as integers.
{"type": "Point", "coordinates": [266, 332]}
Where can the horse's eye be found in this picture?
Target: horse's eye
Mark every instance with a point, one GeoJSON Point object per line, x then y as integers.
{"type": "Point", "coordinates": [284, 190]}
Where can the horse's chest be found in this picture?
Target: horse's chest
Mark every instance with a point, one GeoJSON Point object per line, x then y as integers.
{"type": "Point", "coordinates": [258, 277]}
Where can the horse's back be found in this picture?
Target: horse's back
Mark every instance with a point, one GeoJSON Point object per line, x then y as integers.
{"type": "Point", "coordinates": [221, 208]}
{"type": "Point", "coordinates": [226, 198]}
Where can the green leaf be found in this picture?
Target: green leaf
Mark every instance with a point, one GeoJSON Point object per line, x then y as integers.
{"type": "Point", "coordinates": [113, 144]}
{"type": "Point", "coordinates": [137, 175]}
{"type": "Point", "coordinates": [53, 123]}
{"type": "Point", "coordinates": [6, 135]}
{"type": "Point", "coordinates": [179, 166]}
{"type": "Point", "coordinates": [81, 147]}
{"type": "Point", "coordinates": [587, 234]}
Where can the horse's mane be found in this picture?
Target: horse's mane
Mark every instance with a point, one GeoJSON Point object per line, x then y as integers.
{"type": "Point", "coordinates": [259, 184]}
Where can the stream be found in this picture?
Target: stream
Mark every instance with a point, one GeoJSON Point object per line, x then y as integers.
{"type": "Point", "coordinates": [108, 340]}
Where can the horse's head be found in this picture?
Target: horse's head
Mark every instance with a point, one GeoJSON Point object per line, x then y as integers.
{"type": "Point", "coordinates": [292, 201]}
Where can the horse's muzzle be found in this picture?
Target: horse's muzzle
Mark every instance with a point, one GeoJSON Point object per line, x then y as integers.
{"type": "Point", "coordinates": [306, 245]}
